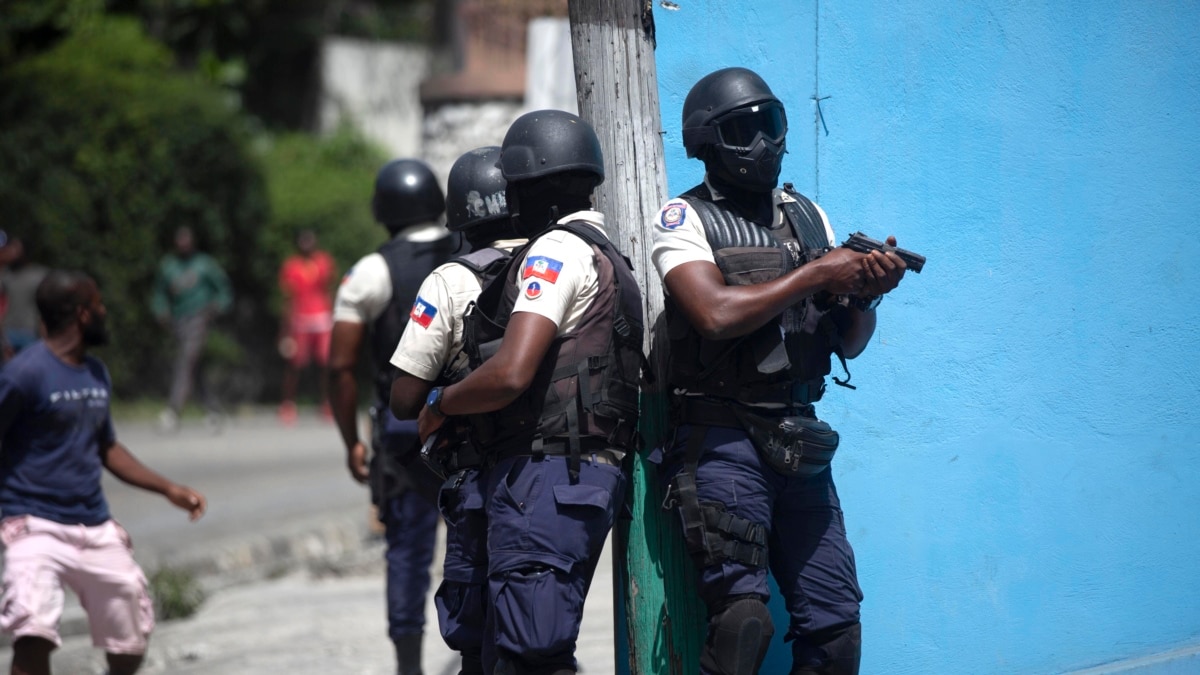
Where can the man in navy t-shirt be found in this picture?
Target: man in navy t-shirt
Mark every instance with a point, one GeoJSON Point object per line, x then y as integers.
{"type": "Point", "coordinates": [55, 437]}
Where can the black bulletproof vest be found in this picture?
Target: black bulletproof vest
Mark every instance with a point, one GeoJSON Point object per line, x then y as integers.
{"type": "Point", "coordinates": [784, 361]}
{"type": "Point", "coordinates": [587, 386]}
{"type": "Point", "coordinates": [408, 263]}
{"type": "Point", "coordinates": [486, 264]}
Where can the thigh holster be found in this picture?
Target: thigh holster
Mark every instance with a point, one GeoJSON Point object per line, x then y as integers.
{"type": "Point", "coordinates": [713, 535]}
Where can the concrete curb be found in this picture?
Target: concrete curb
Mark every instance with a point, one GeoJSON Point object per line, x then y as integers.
{"type": "Point", "coordinates": [252, 558]}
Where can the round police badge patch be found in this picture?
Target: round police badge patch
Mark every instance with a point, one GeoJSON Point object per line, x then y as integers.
{"type": "Point", "coordinates": [673, 215]}
{"type": "Point", "coordinates": [533, 291]}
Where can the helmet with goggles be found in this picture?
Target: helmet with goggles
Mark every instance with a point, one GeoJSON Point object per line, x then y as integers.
{"type": "Point", "coordinates": [733, 121]}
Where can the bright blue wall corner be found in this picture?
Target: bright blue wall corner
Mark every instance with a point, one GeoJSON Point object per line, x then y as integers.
{"type": "Point", "coordinates": [1020, 465]}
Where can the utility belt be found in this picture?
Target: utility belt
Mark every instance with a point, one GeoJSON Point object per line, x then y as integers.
{"type": "Point", "coordinates": [792, 441]}
{"type": "Point", "coordinates": [589, 448]}
{"type": "Point", "coordinates": [448, 461]}
{"type": "Point", "coordinates": [787, 394]}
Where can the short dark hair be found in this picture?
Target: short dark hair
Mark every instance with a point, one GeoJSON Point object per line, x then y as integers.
{"type": "Point", "coordinates": [59, 295]}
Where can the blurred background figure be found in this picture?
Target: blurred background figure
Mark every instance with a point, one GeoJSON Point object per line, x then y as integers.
{"type": "Point", "coordinates": [7, 253]}
{"type": "Point", "coordinates": [306, 280]}
{"type": "Point", "coordinates": [20, 280]}
{"type": "Point", "coordinates": [191, 289]}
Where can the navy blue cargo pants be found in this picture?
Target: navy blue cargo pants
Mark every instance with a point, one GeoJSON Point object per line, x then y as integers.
{"type": "Point", "coordinates": [461, 598]}
{"type": "Point", "coordinates": [808, 552]}
{"type": "Point", "coordinates": [532, 538]}
{"type": "Point", "coordinates": [410, 528]}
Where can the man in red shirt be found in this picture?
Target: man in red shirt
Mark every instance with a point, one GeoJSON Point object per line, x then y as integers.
{"type": "Point", "coordinates": [306, 280]}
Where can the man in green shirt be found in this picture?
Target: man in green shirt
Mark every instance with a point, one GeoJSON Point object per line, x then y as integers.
{"type": "Point", "coordinates": [191, 289]}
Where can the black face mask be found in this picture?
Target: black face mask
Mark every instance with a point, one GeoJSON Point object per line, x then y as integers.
{"type": "Point", "coordinates": [750, 146]}
{"type": "Point", "coordinates": [535, 205]}
{"type": "Point", "coordinates": [95, 334]}
{"type": "Point", "coordinates": [530, 210]}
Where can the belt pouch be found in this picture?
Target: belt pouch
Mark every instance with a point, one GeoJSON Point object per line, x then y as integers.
{"type": "Point", "coordinates": [791, 445]}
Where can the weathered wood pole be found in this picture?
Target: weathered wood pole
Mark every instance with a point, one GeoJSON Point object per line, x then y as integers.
{"type": "Point", "coordinates": [613, 47]}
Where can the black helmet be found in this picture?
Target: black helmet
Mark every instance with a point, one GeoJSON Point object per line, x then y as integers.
{"type": "Point", "coordinates": [406, 193]}
{"type": "Point", "coordinates": [475, 190]}
{"type": "Point", "coordinates": [549, 142]}
{"type": "Point", "coordinates": [732, 120]}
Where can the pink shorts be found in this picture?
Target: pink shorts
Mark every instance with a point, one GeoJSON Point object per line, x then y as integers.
{"type": "Point", "coordinates": [95, 562]}
{"type": "Point", "coordinates": [311, 336]}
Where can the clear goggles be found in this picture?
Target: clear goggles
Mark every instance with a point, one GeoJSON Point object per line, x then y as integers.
{"type": "Point", "coordinates": [740, 129]}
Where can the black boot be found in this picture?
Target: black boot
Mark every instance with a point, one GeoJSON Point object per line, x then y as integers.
{"type": "Point", "coordinates": [408, 654]}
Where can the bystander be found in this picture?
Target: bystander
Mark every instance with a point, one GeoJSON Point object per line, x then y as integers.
{"type": "Point", "coordinates": [56, 434]}
{"type": "Point", "coordinates": [306, 280]}
{"type": "Point", "coordinates": [191, 289]}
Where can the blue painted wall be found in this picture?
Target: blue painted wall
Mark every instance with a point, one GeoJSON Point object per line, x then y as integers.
{"type": "Point", "coordinates": [1020, 466]}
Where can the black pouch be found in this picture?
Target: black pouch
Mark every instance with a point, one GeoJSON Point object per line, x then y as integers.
{"type": "Point", "coordinates": [792, 446]}
{"type": "Point", "coordinates": [745, 266]}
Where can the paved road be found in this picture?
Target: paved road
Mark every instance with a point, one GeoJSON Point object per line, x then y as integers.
{"type": "Point", "coordinates": [296, 575]}
{"type": "Point", "coordinates": [262, 481]}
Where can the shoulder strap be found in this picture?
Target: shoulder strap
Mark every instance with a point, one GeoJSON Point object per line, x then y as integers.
{"type": "Point", "coordinates": [480, 260]}
{"type": "Point", "coordinates": [805, 219]}
{"type": "Point", "coordinates": [628, 323]}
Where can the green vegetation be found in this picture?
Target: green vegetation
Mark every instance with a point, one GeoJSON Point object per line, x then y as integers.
{"type": "Point", "coordinates": [324, 185]}
{"type": "Point", "coordinates": [107, 149]}
{"type": "Point", "coordinates": [176, 593]}
{"type": "Point", "coordinates": [124, 120]}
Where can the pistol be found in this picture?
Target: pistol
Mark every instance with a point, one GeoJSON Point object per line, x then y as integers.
{"type": "Point", "coordinates": [864, 244]}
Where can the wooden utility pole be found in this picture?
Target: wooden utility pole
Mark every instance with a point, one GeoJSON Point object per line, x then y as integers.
{"type": "Point", "coordinates": [613, 47]}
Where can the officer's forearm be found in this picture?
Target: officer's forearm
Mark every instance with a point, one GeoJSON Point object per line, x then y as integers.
{"type": "Point", "coordinates": [492, 387]}
{"type": "Point", "coordinates": [408, 395]}
{"type": "Point", "coordinates": [343, 400]}
{"type": "Point", "coordinates": [721, 312]}
{"type": "Point", "coordinates": [343, 390]}
{"type": "Point", "coordinates": [855, 328]}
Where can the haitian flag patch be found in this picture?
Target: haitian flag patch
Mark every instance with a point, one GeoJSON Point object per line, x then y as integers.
{"type": "Point", "coordinates": [542, 267]}
{"type": "Point", "coordinates": [422, 312]}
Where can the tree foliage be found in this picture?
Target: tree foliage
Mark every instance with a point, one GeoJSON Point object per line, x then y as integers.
{"type": "Point", "coordinates": [113, 139]}
{"type": "Point", "coordinates": [268, 50]}
{"type": "Point", "coordinates": [323, 185]}
{"type": "Point", "coordinates": [106, 151]}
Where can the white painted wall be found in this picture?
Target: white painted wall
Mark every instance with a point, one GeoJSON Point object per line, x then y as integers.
{"type": "Point", "coordinates": [550, 67]}
{"type": "Point", "coordinates": [374, 85]}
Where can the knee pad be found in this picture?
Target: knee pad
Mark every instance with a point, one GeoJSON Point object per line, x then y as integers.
{"type": "Point", "coordinates": [738, 636]}
{"type": "Point", "coordinates": [833, 651]}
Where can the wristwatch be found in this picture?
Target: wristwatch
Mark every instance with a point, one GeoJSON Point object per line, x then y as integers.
{"type": "Point", "coordinates": [434, 401]}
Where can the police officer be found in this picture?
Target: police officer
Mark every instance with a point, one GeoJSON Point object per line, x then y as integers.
{"type": "Point", "coordinates": [378, 291]}
{"type": "Point", "coordinates": [758, 300]}
{"type": "Point", "coordinates": [554, 408]}
{"type": "Point", "coordinates": [430, 352]}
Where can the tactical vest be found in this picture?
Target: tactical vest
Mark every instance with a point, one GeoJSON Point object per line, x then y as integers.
{"type": "Point", "coordinates": [453, 452]}
{"type": "Point", "coordinates": [584, 396]}
{"type": "Point", "coordinates": [408, 263]}
{"type": "Point", "coordinates": [784, 361]}
{"type": "Point", "coordinates": [486, 264]}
